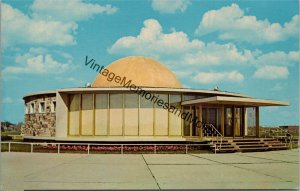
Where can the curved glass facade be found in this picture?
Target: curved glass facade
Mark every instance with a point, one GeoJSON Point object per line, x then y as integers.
{"type": "Point", "coordinates": [152, 114]}
{"type": "Point", "coordinates": [123, 114]}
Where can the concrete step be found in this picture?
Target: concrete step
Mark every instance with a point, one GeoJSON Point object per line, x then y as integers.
{"type": "Point", "coordinates": [248, 143]}
{"type": "Point", "coordinates": [225, 146]}
{"type": "Point", "coordinates": [223, 141]}
{"type": "Point", "coordinates": [246, 140]}
{"type": "Point", "coordinates": [272, 141]}
{"type": "Point", "coordinates": [251, 146]}
{"type": "Point", "coordinates": [278, 145]}
{"type": "Point", "coordinates": [222, 144]}
{"type": "Point", "coordinates": [226, 150]}
{"type": "Point", "coordinates": [278, 148]}
{"type": "Point", "coordinates": [253, 149]}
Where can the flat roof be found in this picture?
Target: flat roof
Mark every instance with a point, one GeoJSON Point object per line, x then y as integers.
{"type": "Point", "coordinates": [237, 101]}
{"type": "Point", "coordinates": [39, 93]}
{"type": "Point", "coordinates": [123, 89]}
{"type": "Point", "coordinates": [151, 89]}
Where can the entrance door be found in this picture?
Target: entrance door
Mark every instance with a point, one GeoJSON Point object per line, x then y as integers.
{"type": "Point", "coordinates": [233, 121]}
{"type": "Point", "coordinates": [194, 123]}
{"type": "Point", "coordinates": [186, 123]}
{"type": "Point", "coordinates": [238, 122]}
{"type": "Point", "coordinates": [190, 127]}
{"type": "Point", "coordinates": [211, 115]}
{"type": "Point", "coordinates": [228, 122]}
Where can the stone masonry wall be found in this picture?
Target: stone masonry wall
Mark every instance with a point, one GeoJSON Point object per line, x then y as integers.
{"type": "Point", "coordinates": [36, 123]}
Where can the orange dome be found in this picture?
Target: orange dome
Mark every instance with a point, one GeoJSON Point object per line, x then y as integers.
{"type": "Point", "coordinates": [143, 72]}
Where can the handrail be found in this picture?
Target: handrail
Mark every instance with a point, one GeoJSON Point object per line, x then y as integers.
{"type": "Point", "coordinates": [217, 132]}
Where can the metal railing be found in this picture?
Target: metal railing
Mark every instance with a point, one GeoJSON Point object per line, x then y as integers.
{"type": "Point", "coordinates": [89, 148]}
{"type": "Point", "coordinates": [210, 131]}
{"type": "Point", "coordinates": [279, 133]}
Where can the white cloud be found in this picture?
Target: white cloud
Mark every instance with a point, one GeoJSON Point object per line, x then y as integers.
{"type": "Point", "coordinates": [153, 42]}
{"type": "Point", "coordinates": [189, 56]}
{"type": "Point", "coordinates": [20, 29]}
{"type": "Point", "coordinates": [217, 77]}
{"type": "Point", "coordinates": [66, 11]}
{"type": "Point", "coordinates": [38, 50]}
{"type": "Point", "coordinates": [218, 54]}
{"type": "Point", "coordinates": [233, 24]}
{"type": "Point", "coordinates": [182, 74]}
{"type": "Point", "coordinates": [272, 72]}
{"type": "Point", "coordinates": [170, 6]}
{"type": "Point", "coordinates": [36, 63]}
{"type": "Point", "coordinates": [278, 58]}
{"type": "Point", "coordinates": [274, 65]}
{"type": "Point", "coordinates": [52, 22]}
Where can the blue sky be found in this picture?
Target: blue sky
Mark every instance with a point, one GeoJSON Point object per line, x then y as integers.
{"type": "Point", "coordinates": [248, 47]}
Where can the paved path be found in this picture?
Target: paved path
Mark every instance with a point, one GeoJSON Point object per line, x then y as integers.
{"type": "Point", "coordinates": [262, 170]}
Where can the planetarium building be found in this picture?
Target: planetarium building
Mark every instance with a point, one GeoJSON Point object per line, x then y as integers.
{"type": "Point", "coordinates": [139, 99]}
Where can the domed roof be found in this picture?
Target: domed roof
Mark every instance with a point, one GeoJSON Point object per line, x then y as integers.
{"type": "Point", "coordinates": [143, 72]}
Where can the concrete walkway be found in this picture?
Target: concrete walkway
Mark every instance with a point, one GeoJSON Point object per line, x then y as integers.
{"type": "Point", "coordinates": [262, 170]}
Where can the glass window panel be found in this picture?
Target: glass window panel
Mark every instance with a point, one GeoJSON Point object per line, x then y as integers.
{"type": "Point", "coordinates": [74, 114]}
{"type": "Point", "coordinates": [116, 101]}
{"type": "Point", "coordinates": [131, 114]}
{"type": "Point", "coordinates": [163, 97]}
{"type": "Point", "coordinates": [228, 122]}
{"type": "Point", "coordinates": [237, 121]}
{"type": "Point", "coordinates": [116, 114]}
{"type": "Point", "coordinates": [87, 114]}
{"type": "Point", "coordinates": [146, 117]}
{"type": "Point", "coordinates": [87, 101]}
{"type": "Point", "coordinates": [42, 107]}
{"type": "Point", "coordinates": [53, 106]}
{"type": "Point", "coordinates": [175, 100]}
{"type": "Point", "coordinates": [186, 123]}
{"type": "Point", "coordinates": [131, 100]}
{"type": "Point", "coordinates": [74, 102]}
{"type": "Point", "coordinates": [175, 120]}
{"type": "Point", "coordinates": [32, 107]}
{"type": "Point", "coordinates": [101, 101]}
{"type": "Point", "coordinates": [250, 121]}
{"type": "Point", "coordinates": [204, 115]}
{"type": "Point", "coordinates": [161, 116]}
{"type": "Point", "coordinates": [194, 125]}
{"type": "Point", "coordinates": [101, 114]}
{"type": "Point", "coordinates": [188, 97]}
{"type": "Point", "coordinates": [146, 103]}
{"type": "Point", "coordinates": [219, 113]}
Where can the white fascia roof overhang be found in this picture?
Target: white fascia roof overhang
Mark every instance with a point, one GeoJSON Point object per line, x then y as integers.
{"type": "Point", "coordinates": [225, 100]}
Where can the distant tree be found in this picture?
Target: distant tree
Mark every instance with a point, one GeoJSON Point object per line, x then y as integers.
{"type": "Point", "coordinates": [8, 126]}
